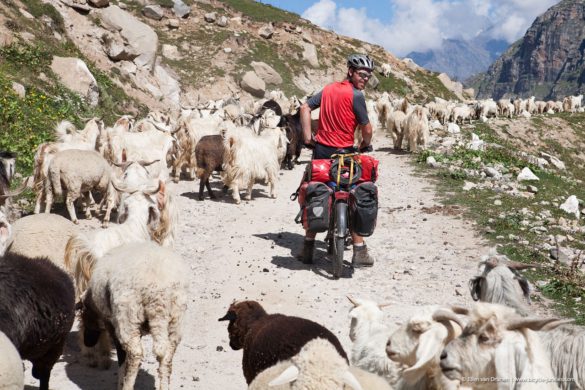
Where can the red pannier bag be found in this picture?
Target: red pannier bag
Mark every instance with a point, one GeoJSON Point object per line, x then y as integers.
{"type": "Point", "coordinates": [369, 168]}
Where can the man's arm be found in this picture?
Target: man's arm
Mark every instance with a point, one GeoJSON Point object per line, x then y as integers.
{"type": "Point", "coordinates": [366, 135]}
{"type": "Point", "coordinates": [306, 123]}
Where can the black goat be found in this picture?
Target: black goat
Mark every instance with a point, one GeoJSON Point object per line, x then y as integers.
{"type": "Point", "coordinates": [37, 309]}
{"type": "Point", "coordinates": [270, 338]}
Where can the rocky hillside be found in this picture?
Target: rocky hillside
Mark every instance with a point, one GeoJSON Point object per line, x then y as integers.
{"type": "Point", "coordinates": [66, 59]}
{"type": "Point", "coordinates": [548, 62]}
{"type": "Point", "coordinates": [460, 58]}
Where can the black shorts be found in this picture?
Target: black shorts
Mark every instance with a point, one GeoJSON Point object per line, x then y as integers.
{"type": "Point", "coordinates": [324, 152]}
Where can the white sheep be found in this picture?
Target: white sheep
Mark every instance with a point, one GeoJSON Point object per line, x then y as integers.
{"type": "Point", "coordinates": [418, 344]}
{"type": "Point", "coordinates": [11, 373]}
{"type": "Point", "coordinates": [318, 366]}
{"type": "Point", "coordinates": [78, 172]}
{"type": "Point", "coordinates": [416, 128]}
{"type": "Point", "coordinates": [42, 235]}
{"type": "Point", "coordinates": [497, 343]}
{"type": "Point", "coordinates": [396, 121]}
{"type": "Point", "coordinates": [248, 158]}
{"type": "Point", "coordinates": [152, 290]}
{"type": "Point", "coordinates": [369, 336]}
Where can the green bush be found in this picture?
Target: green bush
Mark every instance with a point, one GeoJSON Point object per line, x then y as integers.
{"type": "Point", "coordinates": [262, 12]}
{"type": "Point", "coordinates": [28, 122]}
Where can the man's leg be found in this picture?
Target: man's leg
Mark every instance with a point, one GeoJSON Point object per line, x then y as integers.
{"type": "Point", "coordinates": [308, 247]}
{"type": "Point", "coordinates": [361, 257]}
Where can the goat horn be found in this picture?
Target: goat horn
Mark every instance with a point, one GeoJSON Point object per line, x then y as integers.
{"type": "Point", "coordinates": [354, 303]}
{"type": "Point", "coordinates": [460, 310]}
{"type": "Point", "coordinates": [533, 323]}
{"type": "Point", "coordinates": [520, 266]}
{"type": "Point", "coordinates": [147, 163]}
{"type": "Point", "coordinates": [120, 187]}
{"type": "Point", "coordinates": [17, 191]}
{"type": "Point", "coordinates": [382, 305]}
{"type": "Point", "coordinates": [552, 325]}
{"type": "Point", "coordinates": [123, 165]}
{"type": "Point", "coordinates": [158, 188]}
{"type": "Point", "coordinates": [442, 315]}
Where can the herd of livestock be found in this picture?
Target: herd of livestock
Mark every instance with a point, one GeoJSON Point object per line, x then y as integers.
{"type": "Point", "coordinates": [49, 270]}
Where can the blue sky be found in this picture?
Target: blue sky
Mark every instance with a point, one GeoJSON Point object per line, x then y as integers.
{"type": "Point", "coordinates": [402, 26]}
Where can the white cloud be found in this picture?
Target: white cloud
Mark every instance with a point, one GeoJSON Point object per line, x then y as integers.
{"type": "Point", "coordinates": [419, 25]}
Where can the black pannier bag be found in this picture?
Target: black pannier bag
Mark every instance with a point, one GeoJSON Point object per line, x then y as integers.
{"type": "Point", "coordinates": [317, 208]}
{"type": "Point", "coordinates": [363, 209]}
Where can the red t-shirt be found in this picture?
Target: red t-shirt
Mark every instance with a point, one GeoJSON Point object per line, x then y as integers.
{"type": "Point", "coordinates": [343, 107]}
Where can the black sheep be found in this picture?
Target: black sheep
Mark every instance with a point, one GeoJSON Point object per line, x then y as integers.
{"type": "Point", "coordinates": [270, 338]}
{"type": "Point", "coordinates": [37, 310]}
{"type": "Point", "coordinates": [209, 157]}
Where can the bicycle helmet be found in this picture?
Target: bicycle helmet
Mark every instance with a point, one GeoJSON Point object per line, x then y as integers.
{"type": "Point", "coordinates": [360, 61]}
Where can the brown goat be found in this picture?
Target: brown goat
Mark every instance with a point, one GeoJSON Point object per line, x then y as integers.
{"type": "Point", "coordinates": [209, 156]}
{"type": "Point", "coordinates": [270, 338]}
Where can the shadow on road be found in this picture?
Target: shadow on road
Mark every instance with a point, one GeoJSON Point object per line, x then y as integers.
{"type": "Point", "coordinates": [294, 242]}
{"type": "Point", "coordinates": [90, 378]}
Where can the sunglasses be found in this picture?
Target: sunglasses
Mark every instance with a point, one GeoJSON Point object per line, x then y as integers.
{"type": "Point", "coordinates": [364, 75]}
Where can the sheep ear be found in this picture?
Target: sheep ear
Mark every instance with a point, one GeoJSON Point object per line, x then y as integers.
{"type": "Point", "coordinates": [460, 310]}
{"type": "Point", "coordinates": [351, 380]}
{"type": "Point", "coordinates": [289, 375]}
{"type": "Point", "coordinates": [430, 344]}
{"type": "Point", "coordinates": [124, 157]}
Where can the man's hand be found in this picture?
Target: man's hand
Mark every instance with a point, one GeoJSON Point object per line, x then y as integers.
{"type": "Point", "coordinates": [365, 147]}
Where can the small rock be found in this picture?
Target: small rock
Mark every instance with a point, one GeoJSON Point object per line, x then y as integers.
{"type": "Point", "coordinates": [99, 3]}
{"type": "Point", "coordinates": [266, 31]}
{"type": "Point", "coordinates": [219, 348]}
{"type": "Point", "coordinates": [532, 189]}
{"type": "Point", "coordinates": [180, 9]}
{"type": "Point", "coordinates": [26, 14]}
{"type": "Point", "coordinates": [458, 293]}
{"type": "Point", "coordinates": [497, 202]}
{"type": "Point", "coordinates": [467, 186]}
{"type": "Point", "coordinates": [227, 49]}
{"type": "Point", "coordinates": [210, 17]}
{"type": "Point", "coordinates": [153, 12]}
{"type": "Point", "coordinates": [527, 175]}
{"type": "Point", "coordinates": [453, 128]}
{"type": "Point", "coordinates": [492, 172]}
{"type": "Point", "coordinates": [171, 52]}
{"type": "Point", "coordinates": [222, 21]}
{"type": "Point", "coordinates": [541, 283]}
{"type": "Point", "coordinates": [571, 206]}
{"type": "Point", "coordinates": [173, 23]}
{"type": "Point", "coordinates": [19, 89]}
{"type": "Point", "coordinates": [432, 162]}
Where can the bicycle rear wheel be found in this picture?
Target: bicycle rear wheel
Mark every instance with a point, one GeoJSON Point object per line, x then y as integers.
{"type": "Point", "coordinates": [338, 238]}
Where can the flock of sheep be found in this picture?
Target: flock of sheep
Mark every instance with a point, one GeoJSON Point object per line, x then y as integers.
{"type": "Point", "coordinates": [49, 269]}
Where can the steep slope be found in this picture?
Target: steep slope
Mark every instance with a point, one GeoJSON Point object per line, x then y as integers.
{"type": "Point", "coordinates": [548, 62]}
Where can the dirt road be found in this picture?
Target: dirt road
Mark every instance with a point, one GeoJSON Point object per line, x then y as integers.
{"type": "Point", "coordinates": [246, 252]}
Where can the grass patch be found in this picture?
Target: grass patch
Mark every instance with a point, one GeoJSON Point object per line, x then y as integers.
{"type": "Point", "coordinates": [432, 86]}
{"type": "Point", "coordinates": [262, 12]}
{"type": "Point", "coordinates": [39, 9]}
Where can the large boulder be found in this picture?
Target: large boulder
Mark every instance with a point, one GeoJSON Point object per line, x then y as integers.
{"type": "Point", "coordinates": [310, 54]}
{"type": "Point", "coordinates": [74, 74]}
{"type": "Point", "coordinates": [139, 36]}
{"type": "Point", "coordinates": [253, 84]}
{"type": "Point", "coordinates": [266, 73]}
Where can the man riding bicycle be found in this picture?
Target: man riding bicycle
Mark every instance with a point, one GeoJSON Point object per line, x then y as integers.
{"type": "Point", "coordinates": [343, 107]}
